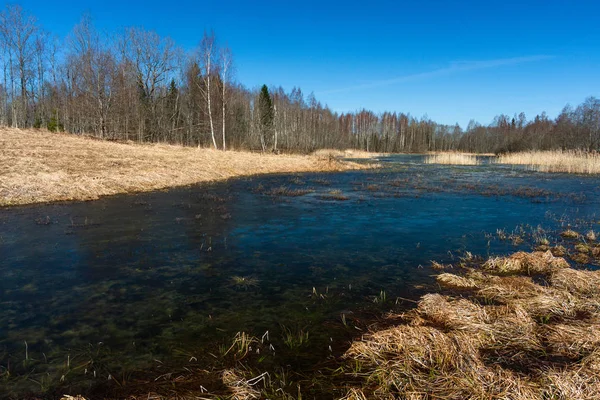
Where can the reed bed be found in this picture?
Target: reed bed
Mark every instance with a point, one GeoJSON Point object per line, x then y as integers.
{"type": "Point", "coordinates": [521, 327]}
{"type": "Point", "coordinates": [38, 166]}
{"type": "Point", "coordinates": [452, 159]}
{"type": "Point", "coordinates": [572, 162]}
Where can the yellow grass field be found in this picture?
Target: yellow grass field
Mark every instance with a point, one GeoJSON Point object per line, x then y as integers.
{"type": "Point", "coordinates": [38, 166]}
{"type": "Point", "coordinates": [571, 162]}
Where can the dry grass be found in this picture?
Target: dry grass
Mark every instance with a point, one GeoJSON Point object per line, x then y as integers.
{"type": "Point", "coordinates": [240, 387]}
{"type": "Point", "coordinates": [504, 337]}
{"type": "Point", "coordinates": [452, 159]}
{"type": "Point", "coordinates": [569, 234]}
{"type": "Point", "coordinates": [335, 194]}
{"type": "Point", "coordinates": [37, 166]}
{"type": "Point", "coordinates": [455, 281]}
{"type": "Point", "coordinates": [585, 283]}
{"type": "Point", "coordinates": [525, 263]}
{"type": "Point", "coordinates": [571, 162]}
{"type": "Point", "coordinates": [349, 153]}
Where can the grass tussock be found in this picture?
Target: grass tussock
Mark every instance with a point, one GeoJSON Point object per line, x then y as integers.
{"type": "Point", "coordinates": [452, 159]}
{"type": "Point", "coordinates": [336, 195]}
{"type": "Point", "coordinates": [37, 166]}
{"type": "Point", "coordinates": [572, 162]}
{"type": "Point", "coordinates": [569, 234]}
{"type": "Point", "coordinates": [505, 335]}
{"type": "Point", "coordinates": [525, 263]}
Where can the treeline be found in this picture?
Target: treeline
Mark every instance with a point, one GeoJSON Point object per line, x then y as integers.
{"type": "Point", "coordinates": [136, 85]}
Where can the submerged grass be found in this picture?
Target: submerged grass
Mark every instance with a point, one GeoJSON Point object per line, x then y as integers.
{"type": "Point", "coordinates": [244, 282]}
{"type": "Point", "coordinates": [572, 162]}
{"type": "Point", "coordinates": [501, 333]}
{"type": "Point", "coordinates": [287, 191]}
{"type": "Point", "coordinates": [38, 166]}
{"type": "Point", "coordinates": [295, 338]}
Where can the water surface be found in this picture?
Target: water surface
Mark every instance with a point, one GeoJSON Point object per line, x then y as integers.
{"type": "Point", "coordinates": [94, 292]}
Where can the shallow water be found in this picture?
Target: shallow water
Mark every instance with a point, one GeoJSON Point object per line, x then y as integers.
{"type": "Point", "coordinates": [129, 283]}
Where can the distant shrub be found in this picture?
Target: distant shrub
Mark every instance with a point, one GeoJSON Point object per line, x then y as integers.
{"type": "Point", "coordinates": [54, 125]}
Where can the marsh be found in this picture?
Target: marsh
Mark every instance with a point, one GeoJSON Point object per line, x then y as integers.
{"type": "Point", "coordinates": [96, 295]}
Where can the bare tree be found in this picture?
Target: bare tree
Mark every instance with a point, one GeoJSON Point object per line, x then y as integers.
{"type": "Point", "coordinates": [146, 88]}
{"type": "Point", "coordinates": [154, 60]}
{"type": "Point", "coordinates": [206, 62]}
{"type": "Point", "coordinates": [226, 72]}
{"type": "Point", "coordinates": [18, 32]}
{"type": "Point", "coordinates": [4, 86]}
{"type": "Point", "coordinates": [41, 57]}
{"type": "Point", "coordinates": [93, 68]}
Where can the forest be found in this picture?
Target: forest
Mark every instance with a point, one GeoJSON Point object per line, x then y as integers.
{"type": "Point", "coordinates": [135, 85]}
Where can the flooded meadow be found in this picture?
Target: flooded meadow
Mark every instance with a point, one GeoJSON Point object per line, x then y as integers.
{"type": "Point", "coordinates": [274, 273]}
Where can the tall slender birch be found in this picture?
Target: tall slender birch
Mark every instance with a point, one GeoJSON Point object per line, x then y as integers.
{"type": "Point", "coordinates": [226, 59]}
{"type": "Point", "coordinates": [207, 56]}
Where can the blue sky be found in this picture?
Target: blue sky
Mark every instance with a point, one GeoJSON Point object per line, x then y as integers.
{"type": "Point", "coordinates": [451, 60]}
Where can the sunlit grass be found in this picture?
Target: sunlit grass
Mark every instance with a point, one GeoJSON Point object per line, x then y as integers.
{"type": "Point", "coordinates": [502, 334]}
{"type": "Point", "coordinates": [38, 166]}
{"type": "Point", "coordinates": [452, 159]}
{"type": "Point", "coordinates": [335, 194]}
{"type": "Point", "coordinates": [572, 162]}
{"type": "Point", "coordinates": [349, 153]}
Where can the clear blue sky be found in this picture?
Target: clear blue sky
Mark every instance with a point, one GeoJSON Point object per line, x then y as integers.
{"type": "Point", "coordinates": [451, 60]}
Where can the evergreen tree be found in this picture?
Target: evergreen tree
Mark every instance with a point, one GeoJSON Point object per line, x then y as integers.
{"type": "Point", "coordinates": [266, 115]}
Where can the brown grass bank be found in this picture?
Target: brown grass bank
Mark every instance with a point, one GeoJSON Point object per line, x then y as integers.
{"type": "Point", "coordinates": [38, 166]}
{"type": "Point", "coordinates": [520, 327]}
{"type": "Point", "coordinates": [572, 162]}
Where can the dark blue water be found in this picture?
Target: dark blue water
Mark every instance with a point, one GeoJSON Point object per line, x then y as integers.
{"type": "Point", "coordinates": [126, 284]}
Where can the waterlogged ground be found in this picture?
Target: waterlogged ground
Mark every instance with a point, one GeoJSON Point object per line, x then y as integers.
{"type": "Point", "coordinates": [101, 295]}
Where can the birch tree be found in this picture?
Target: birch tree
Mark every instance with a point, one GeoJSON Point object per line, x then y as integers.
{"type": "Point", "coordinates": [206, 62]}
{"type": "Point", "coordinates": [226, 73]}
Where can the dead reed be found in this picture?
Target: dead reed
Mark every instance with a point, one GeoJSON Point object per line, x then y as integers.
{"type": "Point", "coordinates": [37, 166]}
{"type": "Point", "coordinates": [505, 335]}
{"type": "Point", "coordinates": [452, 159]}
{"type": "Point", "coordinates": [572, 162]}
{"type": "Point", "coordinates": [348, 153]}
{"type": "Point", "coordinates": [240, 387]}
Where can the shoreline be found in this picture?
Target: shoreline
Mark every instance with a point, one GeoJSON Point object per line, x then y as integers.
{"type": "Point", "coordinates": [489, 330]}
{"type": "Point", "coordinates": [44, 167]}
{"type": "Point", "coordinates": [521, 326]}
